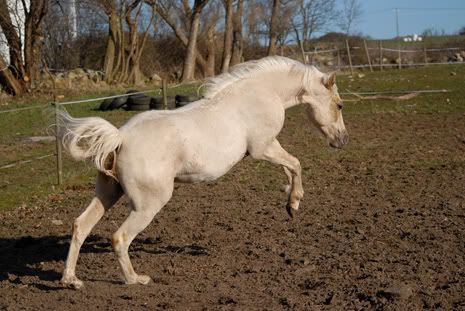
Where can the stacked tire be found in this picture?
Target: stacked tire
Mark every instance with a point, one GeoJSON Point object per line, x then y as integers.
{"type": "Point", "coordinates": [138, 102]}
{"type": "Point", "coordinates": [183, 100]}
{"type": "Point", "coordinates": [142, 102]}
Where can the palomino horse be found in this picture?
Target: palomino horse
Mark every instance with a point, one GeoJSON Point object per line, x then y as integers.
{"type": "Point", "coordinates": [241, 113]}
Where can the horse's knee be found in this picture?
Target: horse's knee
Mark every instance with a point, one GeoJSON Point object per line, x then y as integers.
{"type": "Point", "coordinates": [78, 231]}
{"type": "Point", "coordinates": [119, 242]}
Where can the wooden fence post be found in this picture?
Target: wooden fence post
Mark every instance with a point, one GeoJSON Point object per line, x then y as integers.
{"type": "Point", "coordinates": [350, 57]}
{"type": "Point", "coordinates": [400, 57]}
{"type": "Point", "coordinates": [368, 54]}
{"type": "Point", "coordinates": [58, 146]}
{"type": "Point", "coordinates": [338, 57]}
{"type": "Point", "coordinates": [302, 51]}
{"type": "Point", "coordinates": [165, 96]}
{"type": "Point", "coordinates": [313, 56]}
{"type": "Point", "coordinates": [380, 55]}
{"type": "Point", "coordinates": [425, 57]}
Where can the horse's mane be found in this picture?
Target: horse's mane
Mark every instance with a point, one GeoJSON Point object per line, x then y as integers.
{"type": "Point", "coordinates": [250, 69]}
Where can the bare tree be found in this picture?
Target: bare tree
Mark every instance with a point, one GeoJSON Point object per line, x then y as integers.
{"type": "Point", "coordinates": [34, 38]}
{"type": "Point", "coordinates": [189, 61]}
{"type": "Point", "coordinates": [273, 29]}
{"type": "Point", "coordinates": [312, 16]}
{"type": "Point", "coordinates": [12, 36]}
{"type": "Point", "coordinates": [179, 16]}
{"type": "Point", "coordinates": [12, 84]}
{"type": "Point", "coordinates": [126, 38]}
{"type": "Point", "coordinates": [350, 15]}
{"type": "Point", "coordinates": [237, 45]}
{"type": "Point", "coordinates": [31, 21]}
{"type": "Point", "coordinates": [228, 35]}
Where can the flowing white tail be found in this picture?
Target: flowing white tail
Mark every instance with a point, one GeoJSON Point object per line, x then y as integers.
{"type": "Point", "coordinates": [91, 137]}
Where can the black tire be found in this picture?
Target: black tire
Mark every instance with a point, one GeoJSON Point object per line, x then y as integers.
{"type": "Point", "coordinates": [141, 99]}
{"type": "Point", "coordinates": [132, 91]}
{"type": "Point", "coordinates": [186, 98]}
{"type": "Point", "coordinates": [105, 105]}
{"type": "Point", "coordinates": [156, 103]}
{"type": "Point", "coordinates": [118, 102]}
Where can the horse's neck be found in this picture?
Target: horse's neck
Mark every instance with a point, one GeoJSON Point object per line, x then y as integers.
{"type": "Point", "coordinates": [285, 87]}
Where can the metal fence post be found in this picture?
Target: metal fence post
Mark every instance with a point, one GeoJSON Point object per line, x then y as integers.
{"type": "Point", "coordinates": [165, 96]}
{"type": "Point", "coordinates": [58, 146]}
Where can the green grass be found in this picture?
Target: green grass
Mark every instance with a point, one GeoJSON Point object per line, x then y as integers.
{"type": "Point", "coordinates": [25, 183]}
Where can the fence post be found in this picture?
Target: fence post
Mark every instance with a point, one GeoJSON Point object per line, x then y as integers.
{"type": "Point", "coordinates": [350, 57]}
{"type": "Point", "coordinates": [58, 146]}
{"type": "Point", "coordinates": [425, 58]}
{"type": "Point", "coordinates": [302, 51]}
{"type": "Point", "coordinates": [368, 55]}
{"type": "Point", "coordinates": [165, 96]}
{"type": "Point", "coordinates": [338, 57]}
{"type": "Point", "coordinates": [400, 57]}
{"type": "Point", "coordinates": [380, 55]}
{"type": "Point", "coordinates": [313, 56]}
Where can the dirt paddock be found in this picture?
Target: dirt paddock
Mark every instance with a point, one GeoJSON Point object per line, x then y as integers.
{"type": "Point", "coordinates": [382, 226]}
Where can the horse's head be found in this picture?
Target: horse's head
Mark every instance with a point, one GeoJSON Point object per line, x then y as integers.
{"type": "Point", "coordinates": [324, 109]}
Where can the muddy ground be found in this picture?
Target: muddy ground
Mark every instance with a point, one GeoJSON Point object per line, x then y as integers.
{"type": "Point", "coordinates": [382, 227]}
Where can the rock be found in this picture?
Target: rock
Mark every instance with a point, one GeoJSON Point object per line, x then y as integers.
{"type": "Point", "coordinates": [452, 73]}
{"type": "Point", "coordinates": [361, 75]}
{"type": "Point", "coordinates": [155, 78]}
{"type": "Point", "coordinates": [401, 291]}
{"type": "Point", "coordinates": [36, 139]}
{"type": "Point", "coordinates": [57, 222]}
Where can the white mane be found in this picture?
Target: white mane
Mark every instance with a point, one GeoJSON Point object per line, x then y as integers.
{"type": "Point", "coordinates": [251, 69]}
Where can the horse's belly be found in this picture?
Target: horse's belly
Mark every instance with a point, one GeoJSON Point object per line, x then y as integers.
{"type": "Point", "coordinates": [195, 178]}
{"type": "Point", "coordinates": [207, 168]}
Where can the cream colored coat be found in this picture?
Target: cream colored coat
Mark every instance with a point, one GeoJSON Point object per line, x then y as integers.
{"type": "Point", "coordinates": [241, 113]}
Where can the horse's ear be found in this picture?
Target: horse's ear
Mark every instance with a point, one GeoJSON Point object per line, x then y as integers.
{"type": "Point", "coordinates": [329, 80]}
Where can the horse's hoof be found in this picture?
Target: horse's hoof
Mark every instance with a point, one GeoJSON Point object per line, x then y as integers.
{"type": "Point", "coordinates": [291, 207]}
{"type": "Point", "coordinates": [140, 279]}
{"type": "Point", "coordinates": [289, 211]}
{"type": "Point", "coordinates": [72, 282]}
{"type": "Point", "coordinates": [143, 279]}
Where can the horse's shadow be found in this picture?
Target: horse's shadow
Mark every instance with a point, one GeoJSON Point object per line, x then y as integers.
{"type": "Point", "coordinates": [26, 256]}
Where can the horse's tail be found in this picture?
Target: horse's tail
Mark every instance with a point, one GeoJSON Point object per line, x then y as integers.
{"type": "Point", "coordinates": [92, 137]}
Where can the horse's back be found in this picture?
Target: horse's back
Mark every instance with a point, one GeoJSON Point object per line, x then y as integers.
{"type": "Point", "coordinates": [194, 144]}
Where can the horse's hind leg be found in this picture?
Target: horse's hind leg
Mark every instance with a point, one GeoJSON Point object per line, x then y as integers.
{"type": "Point", "coordinates": [274, 153]}
{"type": "Point", "coordinates": [146, 204]}
{"type": "Point", "coordinates": [107, 192]}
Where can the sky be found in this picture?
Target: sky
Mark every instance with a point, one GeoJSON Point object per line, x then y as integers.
{"type": "Point", "coordinates": [378, 18]}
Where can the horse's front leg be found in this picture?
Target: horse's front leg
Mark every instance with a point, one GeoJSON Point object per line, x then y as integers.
{"type": "Point", "coordinates": [274, 153]}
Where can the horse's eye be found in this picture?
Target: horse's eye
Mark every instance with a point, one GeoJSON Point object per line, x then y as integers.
{"type": "Point", "coordinates": [339, 106]}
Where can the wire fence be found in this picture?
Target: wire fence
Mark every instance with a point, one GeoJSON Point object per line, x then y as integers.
{"type": "Point", "coordinates": [378, 54]}
{"type": "Point", "coordinates": [30, 155]}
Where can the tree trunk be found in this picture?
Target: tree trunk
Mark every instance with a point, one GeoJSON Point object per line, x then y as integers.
{"type": "Point", "coordinates": [210, 67]}
{"type": "Point", "coordinates": [112, 42]}
{"type": "Point", "coordinates": [34, 39]}
{"type": "Point", "coordinates": [189, 61]}
{"type": "Point", "coordinates": [228, 35]}
{"type": "Point", "coordinates": [13, 85]}
{"type": "Point", "coordinates": [14, 42]}
{"type": "Point", "coordinates": [238, 45]}
{"type": "Point", "coordinates": [273, 34]}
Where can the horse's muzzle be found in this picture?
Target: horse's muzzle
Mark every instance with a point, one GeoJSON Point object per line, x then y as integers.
{"type": "Point", "coordinates": [340, 140]}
